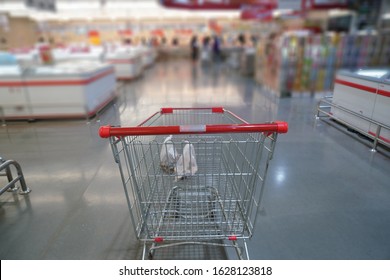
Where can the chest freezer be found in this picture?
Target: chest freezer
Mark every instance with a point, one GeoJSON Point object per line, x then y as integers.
{"type": "Point", "coordinates": [13, 97]}
{"type": "Point", "coordinates": [127, 63]}
{"type": "Point", "coordinates": [367, 93]}
{"type": "Point", "coordinates": [64, 90]}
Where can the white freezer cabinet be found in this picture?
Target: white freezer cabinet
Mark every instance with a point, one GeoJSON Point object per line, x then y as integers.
{"type": "Point", "coordinates": [127, 64]}
{"type": "Point", "coordinates": [59, 91]}
{"type": "Point", "coordinates": [365, 92]}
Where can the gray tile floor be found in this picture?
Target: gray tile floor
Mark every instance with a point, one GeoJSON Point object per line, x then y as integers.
{"type": "Point", "coordinates": [327, 196]}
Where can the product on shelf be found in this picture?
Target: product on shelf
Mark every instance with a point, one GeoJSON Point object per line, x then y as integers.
{"type": "Point", "coordinates": [308, 61]}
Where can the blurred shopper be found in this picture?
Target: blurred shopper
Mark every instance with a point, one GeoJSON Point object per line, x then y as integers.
{"type": "Point", "coordinates": [205, 53]}
{"type": "Point", "coordinates": [216, 49]}
{"type": "Point", "coordinates": [154, 42]}
{"type": "Point", "coordinates": [194, 48]}
{"type": "Point", "coordinates": [254, 40]}
{"type": "Point", "coordinates": [206, 42]}
{"type": "Point", "coordinates": [175, 42]}
{"type": "Point", "coordinates": [241, 39]}
{"type": "Point", "coordinates": [127, 42]}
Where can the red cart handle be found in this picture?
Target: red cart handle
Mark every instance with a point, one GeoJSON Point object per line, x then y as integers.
{"type": "Point", "coordinates": [108, 131]}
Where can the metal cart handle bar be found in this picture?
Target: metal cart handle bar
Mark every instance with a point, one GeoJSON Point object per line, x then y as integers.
{"type": "Point", "coordinates": [277, 126]}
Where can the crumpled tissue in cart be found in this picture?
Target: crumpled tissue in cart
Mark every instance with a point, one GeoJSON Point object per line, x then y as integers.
{"type": "Point", "coordinates": [186, 164]}
{"type": "Point", "coordinates": [168, 155]}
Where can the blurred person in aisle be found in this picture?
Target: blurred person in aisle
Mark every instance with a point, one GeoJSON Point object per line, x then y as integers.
{"type": "Point", "coordinates": [216, 49]}
{"type": "Point", "coordinates": [175, 42]}
{"type": "Point", "coordinates": [194, 48]}
{"type": "Point", "coordinates": [206, 42]}
{"type": "Point", "coordinates": [241, 39]}
{"type": "Point", "coordinates": [127, 42]}
{"type": "Point", "coordinates": [154, 42]}
{"type": "Point", "coordinates": [205, 54]}
{"type": "Point", "coordinates": [254, 40]}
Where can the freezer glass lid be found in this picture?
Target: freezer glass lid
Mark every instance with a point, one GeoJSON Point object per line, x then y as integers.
{"type": "Point", "coordinates": [374, 73]}
{"type": "Point", "coordinates": [80, 67]}
{"type": "Point", "coordinates": [10, 70]}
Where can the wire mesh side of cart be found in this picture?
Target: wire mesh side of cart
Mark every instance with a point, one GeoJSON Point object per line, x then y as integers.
{"type": "Point", "coordinates": [219, 202]}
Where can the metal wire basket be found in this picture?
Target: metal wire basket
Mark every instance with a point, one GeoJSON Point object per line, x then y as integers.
{"type": "Point", "coordinates": [219, 201]}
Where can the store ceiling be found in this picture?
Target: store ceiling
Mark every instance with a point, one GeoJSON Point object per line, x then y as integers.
{"type": "Point", "coordinates": [107, 9]}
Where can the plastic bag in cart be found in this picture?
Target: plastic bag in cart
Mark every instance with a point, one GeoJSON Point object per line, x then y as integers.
{"type": "Point", "coordinates": [186, 164]}
{"type": "Point", "coordinates": [168, 155]}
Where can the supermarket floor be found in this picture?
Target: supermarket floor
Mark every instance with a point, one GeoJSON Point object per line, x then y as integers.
{"type": "Point", "coordinates": [327, 196]}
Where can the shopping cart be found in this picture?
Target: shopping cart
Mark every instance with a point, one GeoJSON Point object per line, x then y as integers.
{"type": "Point", "coordinates": [216, 205]}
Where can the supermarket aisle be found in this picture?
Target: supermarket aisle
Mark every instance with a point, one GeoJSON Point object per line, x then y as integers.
{"type": "Point", "coordinates": [327, 195]}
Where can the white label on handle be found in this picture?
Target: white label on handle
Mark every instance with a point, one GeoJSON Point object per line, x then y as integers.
{"type": "Point", "coordinates": [193, 128]}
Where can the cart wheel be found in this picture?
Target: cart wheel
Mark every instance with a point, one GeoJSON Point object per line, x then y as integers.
{"type": "Point", "coordinates": [150, 256]}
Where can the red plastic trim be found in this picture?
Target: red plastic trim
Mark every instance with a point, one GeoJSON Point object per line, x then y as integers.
{"type": "Point", "coordinates": [279, 127]}
{"type": "Point", "coordinates": [282, 127]}
{"type": "Point", "coordinates": [380, 137]}
{"type": "Point", "coordinates": [384, 92]}
{"type": "Point", "coordinates": [217, 110]}
{"type": "Point", "coordinates": [354, 85]}
{"type": "Point", "coordinates": [365, 88]}
{"type": "Point", "coordinates": [159, 239]}
{"type": "Point", "coordinates": [104, 131]}
{"type": "Point", "coordinates": [232, 238]}
{"type": "Point", "coordinates": [166, 110]}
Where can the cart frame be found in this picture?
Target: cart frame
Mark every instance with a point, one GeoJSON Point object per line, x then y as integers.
{"type": "Point", "coordinates": [219, 202]}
